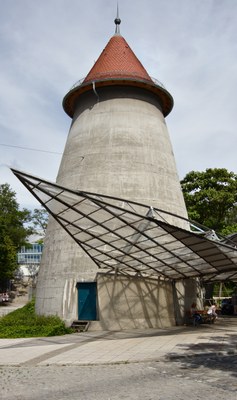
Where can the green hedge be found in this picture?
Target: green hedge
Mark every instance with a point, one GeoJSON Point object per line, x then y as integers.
{"type": "Point", "coordinates": [23, 323]}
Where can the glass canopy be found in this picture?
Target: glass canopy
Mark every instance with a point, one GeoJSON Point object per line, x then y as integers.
{"type": "Point", "coordinates": [130, 238]}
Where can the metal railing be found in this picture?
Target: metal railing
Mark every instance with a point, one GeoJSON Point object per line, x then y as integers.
{"type": "Point", "coordinates": [117, 74]}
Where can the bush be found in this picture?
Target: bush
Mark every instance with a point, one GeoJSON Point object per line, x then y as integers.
{"type": "Point", "coordinates": [23, 323]}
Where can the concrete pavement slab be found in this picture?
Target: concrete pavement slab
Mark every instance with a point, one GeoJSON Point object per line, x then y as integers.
{"type": "Point", "coordinates": [93, 348]}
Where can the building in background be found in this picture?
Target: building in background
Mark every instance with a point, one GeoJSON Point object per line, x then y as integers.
{"type": "Point", "coordinates": [29, 258]}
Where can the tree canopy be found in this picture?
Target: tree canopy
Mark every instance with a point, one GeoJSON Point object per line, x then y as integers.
{"type": "Point", "coordinates": [211, 198]}
{"type": "Point", "coordinates": [13, 232]}
{"type": "Point", "coordinates": [40, 219]}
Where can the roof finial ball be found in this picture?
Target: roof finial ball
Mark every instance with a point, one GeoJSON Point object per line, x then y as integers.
{"type": "Point", "coordinates": [117, 22]}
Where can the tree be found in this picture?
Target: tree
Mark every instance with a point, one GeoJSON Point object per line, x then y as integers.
{"type": "Point", "coordinates": [211, 198]}
{"type": "Point", "coordinates": [40, 219]}
{"type": "Point", "coordinates": [13, 232]}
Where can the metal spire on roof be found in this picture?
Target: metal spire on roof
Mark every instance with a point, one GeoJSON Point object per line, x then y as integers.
{"type": "Point", "coordinates": [117, 22]}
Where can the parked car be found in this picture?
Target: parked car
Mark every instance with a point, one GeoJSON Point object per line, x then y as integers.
{"type": "Point", "coordinates": [4, 297]}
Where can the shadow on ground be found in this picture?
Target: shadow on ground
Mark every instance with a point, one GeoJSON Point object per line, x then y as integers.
{"type": "Point", "coordinates": [220, 354]}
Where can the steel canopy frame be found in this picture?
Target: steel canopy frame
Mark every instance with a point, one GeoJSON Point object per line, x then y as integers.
{"type": "Point", "coordinates": [131, 238]}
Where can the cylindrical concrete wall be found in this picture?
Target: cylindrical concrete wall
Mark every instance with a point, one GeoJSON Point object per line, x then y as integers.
{"type": "Point", "coordinates": [118, 145]}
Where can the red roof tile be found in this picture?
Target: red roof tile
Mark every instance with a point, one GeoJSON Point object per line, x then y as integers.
{"type": "Point", "coordinates": [117, 60]}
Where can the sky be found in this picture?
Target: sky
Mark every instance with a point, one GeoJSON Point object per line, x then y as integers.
{"type": "Point", "coordinates": [46, 46]}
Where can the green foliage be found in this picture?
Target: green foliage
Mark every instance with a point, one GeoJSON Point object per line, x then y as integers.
{"type": "Point", "coordinates": [227, 289]}
{"type": "Point", "coordinates": [13, 232]}
{"type": "Point", "coordinates": [12, 218]}
{"type": "Point", "coordinates": [40, 219]}
{"type": "Point", "coordinates": [7, 256]}
{"type": "Point", "coordinates": [23, 323]}
{"type": "Point", "coordinates": [229, 229]}
{"type": "Point", "coordinates": [211, 198]}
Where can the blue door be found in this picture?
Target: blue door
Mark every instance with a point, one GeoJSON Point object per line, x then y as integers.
{"type": "Point", "coordinates": [86, 301]}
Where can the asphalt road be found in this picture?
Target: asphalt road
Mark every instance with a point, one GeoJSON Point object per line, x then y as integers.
{"type": "Point", "coordinates": [191, 378]}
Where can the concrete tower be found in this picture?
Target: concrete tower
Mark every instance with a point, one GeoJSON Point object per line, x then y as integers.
{"type": "Point", "coordinates": [118, 145]}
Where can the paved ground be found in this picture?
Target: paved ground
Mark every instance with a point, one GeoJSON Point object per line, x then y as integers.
{"type": "Point", "coordinates": [90, 348]}
{"type": "Point", "coordinates": [181, 362]}
{"type": "Point", "coordinates": [6, 308]}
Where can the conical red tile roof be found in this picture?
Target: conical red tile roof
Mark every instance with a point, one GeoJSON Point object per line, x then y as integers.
{"type": "Point", "coordinates": [117, 65]}
{"type": "Point", "coordinates": [117, 60]}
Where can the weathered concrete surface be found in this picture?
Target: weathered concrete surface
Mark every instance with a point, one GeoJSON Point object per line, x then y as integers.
{"type": "Point", "coordinates": [134, 303]}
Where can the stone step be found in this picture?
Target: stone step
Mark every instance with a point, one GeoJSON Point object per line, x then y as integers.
{"type": "Point", "coordinates": [80, 326]}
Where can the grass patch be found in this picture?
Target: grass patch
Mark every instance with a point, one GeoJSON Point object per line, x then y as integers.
{"type": "Point", "coordinates": [24, 322]}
